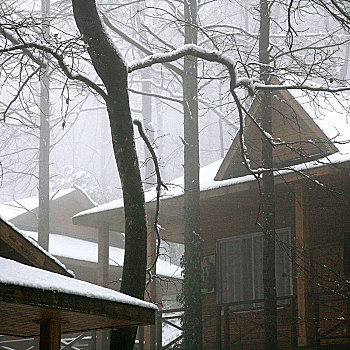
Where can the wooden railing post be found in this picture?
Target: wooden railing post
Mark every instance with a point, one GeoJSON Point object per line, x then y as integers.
{"type": "Point", "coordinates": [218, 327]}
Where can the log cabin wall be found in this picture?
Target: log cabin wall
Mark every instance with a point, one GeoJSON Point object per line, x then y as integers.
{"type": "Point", "coordinates": [327, 219]}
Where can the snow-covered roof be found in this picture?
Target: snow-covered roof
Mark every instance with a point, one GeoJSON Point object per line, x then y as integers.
{"type": "Point", "coordinates": [10, 210]}
{"type": "Point", "coordinates": [78, 249]}
{"type": "Point", "coordinates": [38, 247]}
{"type": "Point", "coordinates": [329, 112]}
{"type": "Point", "coordinates": [14, 273]}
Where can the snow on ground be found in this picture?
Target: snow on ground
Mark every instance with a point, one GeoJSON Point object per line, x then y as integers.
{"type": "Point", "coordinates": [14, 273]}
{"type": "Point", "coordinates": [78, 249]}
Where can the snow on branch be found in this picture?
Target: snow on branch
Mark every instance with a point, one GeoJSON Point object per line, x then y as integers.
{"type": "Point", "coordinates": [216, 56]}
{"type": "Point", "coordinates": [192, 50]}
{"type": "Point", "coordinates": [7, 35]}
{"type": "Point", "coordinates": [313, 87]}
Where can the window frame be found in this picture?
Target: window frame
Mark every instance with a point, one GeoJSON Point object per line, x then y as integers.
{"type": "Point", "coordinates": [241, 237]}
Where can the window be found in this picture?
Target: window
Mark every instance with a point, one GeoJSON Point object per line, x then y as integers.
{"type": "Point", "coordinates": [240, 261]}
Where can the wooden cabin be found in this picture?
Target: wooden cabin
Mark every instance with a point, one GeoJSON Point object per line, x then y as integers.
{"type": "Point", "coordinates": [312, 186]}
{"type": "Point", "coordinates": [40, 297]}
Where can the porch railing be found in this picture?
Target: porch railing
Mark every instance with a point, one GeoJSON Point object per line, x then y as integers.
{"type": "Point", "coordinates": [81, 341]}
{"type": "Point", "coordinates": [172, 319]}
{"type": "Point", "coordinates": [236, 312]}
{"type": "Point", "coordinates": [331, 319]}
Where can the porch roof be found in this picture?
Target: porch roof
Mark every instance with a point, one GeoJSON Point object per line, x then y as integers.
{"type": "Point", "coordinates": [29, 295]}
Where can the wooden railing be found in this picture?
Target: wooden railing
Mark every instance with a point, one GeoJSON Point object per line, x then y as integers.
{"type": "Point", "coordinates": [238, 312]}
{"type": "Point", "coordinates": [172, 318]}
{"type": "Point", "coordinates": [82, 341]}
{"type": "Point", "coordinates": [331, 319]}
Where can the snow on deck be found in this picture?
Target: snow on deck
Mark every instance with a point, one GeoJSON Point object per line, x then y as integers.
{"type": "Point", "coordinates": [78, 249]}
{"type": "Point", "coordinates": [329, 112]}
{"type": "Point", "coordinates": [14, 273]}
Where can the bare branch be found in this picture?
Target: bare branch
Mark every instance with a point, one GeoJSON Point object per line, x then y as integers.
{"type": "Point", "coordinates": [60, 60]}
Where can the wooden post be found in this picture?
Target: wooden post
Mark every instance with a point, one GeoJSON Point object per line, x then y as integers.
{"type": "Point", "coordinates": [103, 277]}
{"type": "Point", "coordinates": [304, 287]}
{"type": "Point", "coordinates": [103, 255]}
{"type": "Point", "coordinates": [141, 338]}
{"type": "Point", "coordinates": [151, 332]}
{"type": "Point", "coordinates": [50, 334]}
{"type": "Point", "coordinates": [159, 323]}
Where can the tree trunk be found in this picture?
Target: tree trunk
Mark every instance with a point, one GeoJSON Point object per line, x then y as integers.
{"type": "Point", "coordinates": [44, 147]}
{"type": "Point", "coordinates": [268, 198]}
{"type": "Point", "coordinates": [193, 242]}
{"type": "Point", "coordinates": [112, 70]}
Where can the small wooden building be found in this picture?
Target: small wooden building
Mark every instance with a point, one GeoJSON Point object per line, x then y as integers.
{"type": "Point", "coordinates": [38, 296]}
{"type": "Point", "coordinates": [312, 186]}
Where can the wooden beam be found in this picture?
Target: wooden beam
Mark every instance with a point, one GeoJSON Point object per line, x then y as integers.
{"type": "Point", "coordinates": [304, 284]}
{"type": "Point", "coordinates": [50, 334]}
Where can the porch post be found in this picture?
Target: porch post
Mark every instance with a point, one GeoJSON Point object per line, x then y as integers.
{"type": "Point", "coordinates": [151, 332]}
{"type": "Point", "coordinates": [103, 255]}
{"type": "Point", "coordinates": [102, 277]}
{"type": "Point", "coordinates": [50, 334]}
{"type": "Point", "coordinates": [303, 279]}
